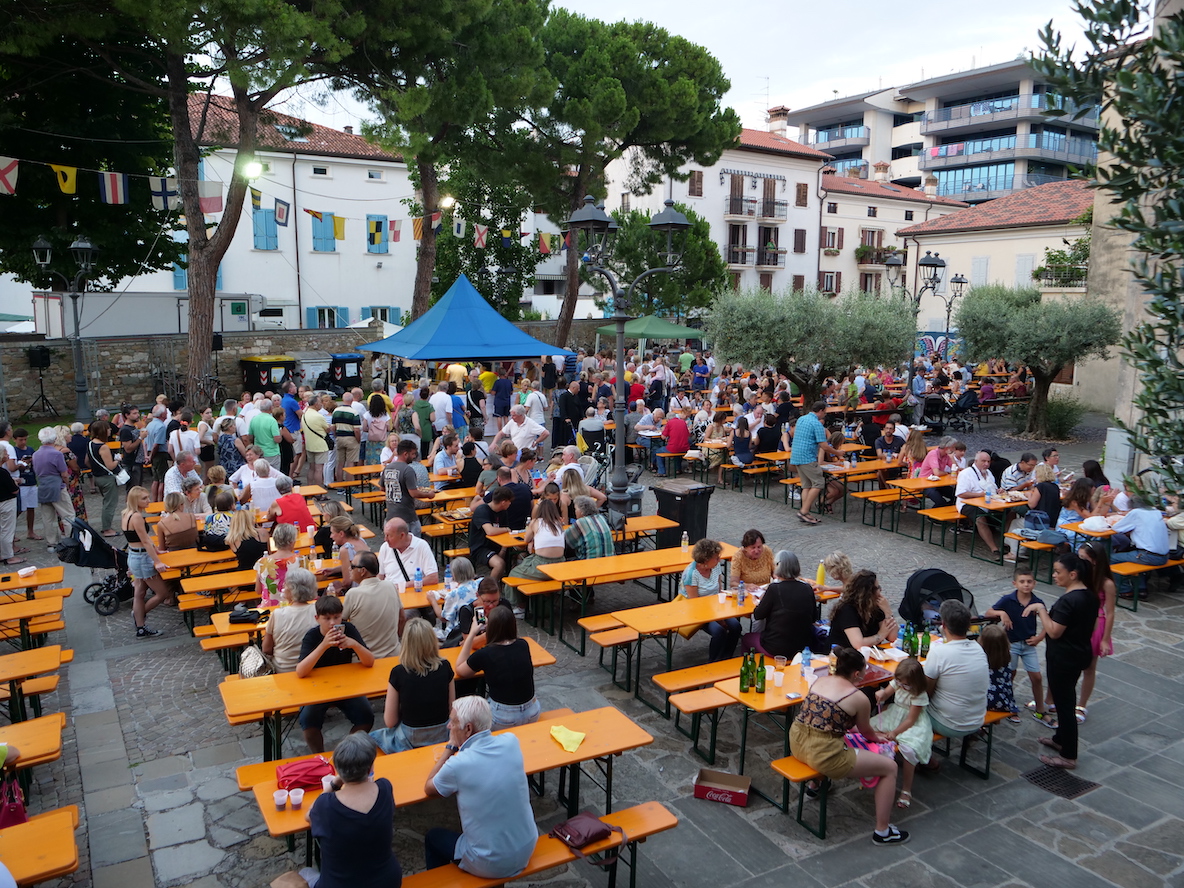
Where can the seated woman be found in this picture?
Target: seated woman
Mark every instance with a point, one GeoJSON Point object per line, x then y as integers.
{"type": "Point", "coordinates": [261, 492]}
{"type": "Point", "coordinates": [177, 528]}
{"type": "Point", "coordinates": [572, 485]}
{"type": "Point", "coordinates": [836, 487]}
{"type": "Point", "coordinates": [787, 611]}
{"type": "Point", "coordinates": [216, 525]}
{"type": "Point", "coordinates": [1045, 496]}
{"type": "Point", "coordinates": [753, 564]}
{"type": "Point", "coordinates": [347, 537]}
{"type": "Point", "coordinates": [288, 625]}
{"type": "Point", "coordinates": [246, 539]}
{"type": "Point", "coordinates": [505, 660]}
{"type": "Point", "coordinates": [544, 539]}
{"type": "Point", "coordinates": [552, 493]}
{"type": "Point", "coordinates": [938, 462]}
{"type": "Point", "coordinates": [717, 433]}
{"type": "Point", "coordinates": [217, 484]}
{"type": "Point", "coordinates": [1076, 505]}
{"type": "Point", "coordinates": [355, 824]}
{"type": "Point", "coordinates": [838, 567]}
{"type": "Point", "coordinates": [704, 577]}
{"type": "Point", "coordinates": [862, 616]}
{"type": "Point", "coordinates": [322, 539]}
{"type": "Point", "coordinates": [271, 569]}
{"type": "Point", "coordinates": [913, 453]}
{"type": "Point", "coordinates": [834, 706]}
{"type": "Point", "coordinates": [741, 443]}
{"type": "Point", "coordinates": [419, 695]}
{"type": "Point", "coordinates": [463, 593]}
{"type": "Point", "coordinates": [196, 502]}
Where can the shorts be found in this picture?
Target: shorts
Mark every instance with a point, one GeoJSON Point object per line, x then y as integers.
{"type": "Point", "coordinates": [1022, 651]}
{"type": "Point", "coordinates": [507, 715]}
{"type": "Point", "coordinates": [297, 443]}
{"type": "Point", "coordinates": [347, 449]}
{"type": "Point", "coordinates": [973, 513]}
{"type": "Point", "coordinates": [480, 557]}
{"type": "Point", "coordinates": [28, 497]}
{"type": "Point", "coordinates": [824, 752]}
{"type": "Point", "coordinates": [318, 458]}
{"type": "Point", "coordinates": [356, 709]}
{"type": "Point", "coordinates": [160, 466]}
{"type": "Point", "coordinates": [140, 564]}
{"type": "Point", "coordinates": [811, 476]}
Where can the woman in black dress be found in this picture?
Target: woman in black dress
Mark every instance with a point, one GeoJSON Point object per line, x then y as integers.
{"type": "Point", "coordinates": [355, 823]}
{"type": "Point", "coordinates": [788, 608]}
{"type": "Point", "coordinates": [420, 693]}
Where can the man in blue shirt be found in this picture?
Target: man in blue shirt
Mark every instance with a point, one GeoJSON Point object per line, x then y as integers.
{"type": "Point", "coordinates": [155, 445]}
{"type": "Point", "coordinates": [920, 386]}
{"type": "Point", "coordinates": [488, 777]}
{"type": "Point", "coordinates": [1149, 536]}
{"type": "Point", "coordinates": [810, 435]}
{"type": "Point", "coordinates": [292, 414]}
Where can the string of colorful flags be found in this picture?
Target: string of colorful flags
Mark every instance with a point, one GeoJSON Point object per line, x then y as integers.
{"type": "Point", "coordinates": [114, 189]}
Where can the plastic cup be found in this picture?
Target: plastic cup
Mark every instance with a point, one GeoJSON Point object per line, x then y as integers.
{"type": "Point", "coordinates": [781, 663]}
{"type": "Point", "coordinates": [723, 597]}
{"type": "Point", "coordinates": [770, 671]}
{"type": "Point", "coordinates": [297, 798]}
{"type": "Point", "coordinates": [327, 783]}
{"type": "Point", "coordinates": [296, 489]}
{"type": "Point", "coordinates": [778, 679]}
{"type": "Point", "coordinates": [281, 799]}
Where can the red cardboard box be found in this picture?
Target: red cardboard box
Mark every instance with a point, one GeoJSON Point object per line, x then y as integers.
{"type": "Point", "coordinates": [717, 786]}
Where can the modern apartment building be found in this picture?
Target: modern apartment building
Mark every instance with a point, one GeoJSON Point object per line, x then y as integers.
{"type": "Point", "coordinates": [981, 133]}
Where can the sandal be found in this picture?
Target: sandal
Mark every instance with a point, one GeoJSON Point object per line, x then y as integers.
{"type": "Point", "coordinates": [905, 799]}
{"type": "Point", "coordinates": [1015, 719]}
{"type": "Point", "coordinates": [1081, 713]}
{"type": "Point", "coordinates": [1055, 761]}
{"type": "Point", "coordinates": [21, 550]}
{"type": "Point", "coordinates": [1031, 704]}
{"type": "Point", "coordinates": [13, 561]}
{"type": "Point", "coordinates": [1049, 742]}
{"type": "Point", "coordinates": [34, 537]}
{"type": "Point", "coordinates": [1048, 719]}
{"type": "Point", "coordinates": [808, 519]}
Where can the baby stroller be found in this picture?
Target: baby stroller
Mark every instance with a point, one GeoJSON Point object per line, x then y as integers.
{"type": "Point", "coordinates": [86, 547]}
{"type": "Point", "coordinates": [924, 593]}
{"type": "Point", "coordinates": [934, 416]}
{"type": "Point", "coordinates": [962, 410]}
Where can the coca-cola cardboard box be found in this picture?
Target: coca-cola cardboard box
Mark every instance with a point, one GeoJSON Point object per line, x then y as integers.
{"type": "Point", "coordinates": [716, 786]}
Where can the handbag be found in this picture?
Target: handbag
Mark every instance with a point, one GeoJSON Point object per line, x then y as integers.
{"type": "Point", "coordinates": [253, 663]}
{"type": "Point", "coordinates": [12, 803]}
{"type": "Point", "coordinates": [1036, 519]}
{"type": "Point", "coordinates": [584, 829]}
{"type": "Point", "coordinates": [304, 773]}
{"type": "Point", "coordinates": [122, 477]}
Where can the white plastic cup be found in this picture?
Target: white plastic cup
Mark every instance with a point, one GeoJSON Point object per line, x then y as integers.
{"type": "Point", "coordinates": [296, 796]}
{"type": "Point", "coordinates": [770, 671]}
{"type": "Point", "coordinates": [327, 783]}
{"type": "Point", "coordinates": [723, 597]}
{"type": "Point", "coordinates": [281, 799]}
{"type": "Point", "coordinates": [778, 679]}
{"type": "Point", "coordinates": [296, 489]}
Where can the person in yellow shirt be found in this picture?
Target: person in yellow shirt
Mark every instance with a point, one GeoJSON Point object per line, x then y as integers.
{"type": "Point", "coordinates": [488, 378]}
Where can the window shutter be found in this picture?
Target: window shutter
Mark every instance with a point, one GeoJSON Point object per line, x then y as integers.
{"type": "Point", "coordinates": [322, 234]}
{"type": "Point", "coordinates": [822, 280]}
{"type": "Point", "coordinates": [366, 313]}
{"type": "Point", "coordinates": [257, 229]}
{"type": "Point", "coordinates": [342, 316]}
{"type": "Point", "coordinates": [839, 241]}
{"type": "Point", "coordinates": [310, 318]}
{"type": "Point", "coordinates": [838, 282]}
{"type": "Point", "coordinates": [379, 247]}
{"type": "Point", "coordinates": [822, 237]}
{"type": "Point", "coordinates": [802, 195]}
{"type": "Point", "coordinates": [879, 238]}
{"type": "Point", "coordinates": [271, 234]}
{"type": "Point", "coordinates": [799, 240]}
{"type": "Point", "coordinates": [799, 282]}
{"type": "Point", "coordinates": [180, 277]}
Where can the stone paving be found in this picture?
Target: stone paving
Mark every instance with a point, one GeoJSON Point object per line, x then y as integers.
{"type": "Point", "coordinates": [149, 757]}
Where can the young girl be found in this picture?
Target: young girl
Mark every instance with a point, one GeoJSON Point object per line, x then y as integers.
{"type": "Point", "coordinates": [1000, 696]}
{"type": "Point", "coordinates": [907, 722]}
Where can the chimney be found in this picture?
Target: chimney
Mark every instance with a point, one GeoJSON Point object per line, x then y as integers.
{"type": "Point", "coordinates": [881, 167]}
{"type": "Point", "coordinates": [349, 130]}
{"type": "Point", "coordinates": [931, 185]}
{"type": "Point", "coordinates": [778, 120]}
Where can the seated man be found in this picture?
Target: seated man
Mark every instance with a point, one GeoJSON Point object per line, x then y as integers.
{"type": "Point", "coordinates": [678, 440]}
{"type": "Point", "coordinates": [332, 642]}
{"type": "Point", "coordinates": [589, 535]}
{"type": "Point", "coordinates": [958, 676]}
{"type": "Point", "coordinates": [402, 552]}
{"type": "Point", "coordinates": [289, 507]}
{"type": "Point", "coordinates": [888, 448]}
{"type": "Point", "coordinates": [373, 606]}
{"type": "Point", "coordinates": [1149, 536]}
{"type": "Point", "coordinates": [1019, 476]}
{"type": "Point", "coordinates": [486, 522]}
{"type": "Point", "coordinates": [487, 774]}
{"type": "Point", "coordinates": [974, 481]}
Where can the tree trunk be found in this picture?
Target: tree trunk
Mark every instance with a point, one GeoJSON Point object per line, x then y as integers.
{"type": "Point", "coordinates": [1038, 405]}
{"type": "Point", "coordinates": [425, 265]}
{"type": "Point", "coordinates": [567, 309]}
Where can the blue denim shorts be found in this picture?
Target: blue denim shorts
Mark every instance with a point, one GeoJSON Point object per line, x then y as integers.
{"type": "Point", "coordinates": [1023, 652]}
{"type": "Point", "coordinates": [140, 564]}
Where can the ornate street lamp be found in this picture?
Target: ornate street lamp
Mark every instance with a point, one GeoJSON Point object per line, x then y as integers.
{"type": "Point", "coordinates": [84, 253]}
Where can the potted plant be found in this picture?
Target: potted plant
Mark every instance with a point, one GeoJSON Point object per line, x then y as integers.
{"type": "Point", "coordinates": [865, 253]}
{"type": "Point", "coordinates": [830, 251]}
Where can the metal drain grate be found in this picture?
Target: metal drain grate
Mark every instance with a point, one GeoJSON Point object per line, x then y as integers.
{"type": "Point", "coordinates": [1059, 782]}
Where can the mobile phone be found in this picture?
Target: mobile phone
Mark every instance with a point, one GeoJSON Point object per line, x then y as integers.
{"type": "Point", "coordinates": [793, 696]}
{"type": "Point", "coordinates": [479, 616]}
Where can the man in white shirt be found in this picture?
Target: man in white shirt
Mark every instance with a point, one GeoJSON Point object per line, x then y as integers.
{"type": "Point", "coordinates": [524, 432]}
{"type": "Point", "coordinates": [441, 403]}
{"type": "Point", "coordinates": [571, 463]}
{"type": "Point", "coordinates": [401, 553]}
{"type": "Point", "coordinates": [373, 606]}
{"type": "Point", "coordinates": [958, 676]}
{"type": "Point", "coordinates": [535, 404]}
{"type": "Point", "coordinates": [974, 481]}
{"type": "Point", "coordinates": [183, 468]}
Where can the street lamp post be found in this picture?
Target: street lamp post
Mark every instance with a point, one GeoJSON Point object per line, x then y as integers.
{"type": "Point", "coordinates": [84, 253]}
{"type": "Point", "coordinates": [957, 283]}
{"type": "Point", "coordinates": [600, 231]}
{"type": "Point", "coordinates": [930, 269]}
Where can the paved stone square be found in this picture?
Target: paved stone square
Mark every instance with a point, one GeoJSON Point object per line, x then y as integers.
{"type": "Point", "coordinates": [150, 759]}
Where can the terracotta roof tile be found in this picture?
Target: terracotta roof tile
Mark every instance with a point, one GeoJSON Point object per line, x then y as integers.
{"type": "Point", "coordinates": [1055, 203]}
{"type": "Point", "coordinates": [762, 140]}
{"type": "Point", "coordinates": [221, 128]}
{"type": "Point", "coordinates": [872, 188]}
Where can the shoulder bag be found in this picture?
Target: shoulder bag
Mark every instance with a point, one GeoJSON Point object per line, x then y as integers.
{"type": "Point", "coordinates": [304, 773]}
{"type": "Point", "coordinates": [585, 829]}
{"type": "Point", "coordinates": [12, 803]}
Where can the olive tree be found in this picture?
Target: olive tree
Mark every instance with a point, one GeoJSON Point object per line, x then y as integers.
{"type": "Point", "coordinates": [806, 335]}
{"type": "Point", "coordinates": [1018, 325]}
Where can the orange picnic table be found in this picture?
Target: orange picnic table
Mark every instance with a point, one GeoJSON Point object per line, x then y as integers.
{"type": "Point", "coordinates": [41, 849]}
{"type": "Point", "coordinates": [24, 612]}
{"type": "Point", "coordinates": [12, 583]}
{"type": "Point", "coordinates": [16, 668]}
{"type": "Point", "coordinates": [191, 561]}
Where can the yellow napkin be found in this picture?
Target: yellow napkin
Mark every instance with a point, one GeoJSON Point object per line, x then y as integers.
{"type": "Point", "coordinates": [570, 740]}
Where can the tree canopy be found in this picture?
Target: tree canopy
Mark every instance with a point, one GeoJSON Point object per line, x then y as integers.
{"type": "Point", "coordinates": [807, 335]}
{"type": "Point", "coordinates": [1018, 325]}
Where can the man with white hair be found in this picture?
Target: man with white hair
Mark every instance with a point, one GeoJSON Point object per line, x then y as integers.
{"type": "Point", "coordinates": [402, 552]}
{"type": "Point", "coordinates": [571, 463]}
{"type": "Point", "coordinates": [441, 403]}
{"type": "Point", "coordinates": [185, 467]}
{"type": "Point", "coordinates": [487, 775]}
{"type": "Point", "coordinates": [261, 492]}
{"type": "Point", "coordinates": [49, 465]}
{"type": "Point", "coordinates": [521, 429]}
{"type": "Point", "coordinates": [535, 404]}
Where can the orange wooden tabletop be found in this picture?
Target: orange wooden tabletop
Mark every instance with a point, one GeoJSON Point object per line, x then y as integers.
{"type": "Point", "coordinates": [609, 731]}
{"type": "Point", "coordinates": [670, 615]}
{"type": "Point", "coordinates": [774, 698]}
{"type": "Point", "coordinates": [997, 504]}
{"type": "Point", "coordinates": [918, 484]}
{"type": "Point", "coordinates": [43, 576]}
{"type": "Point", "coordinates": [411, 600]}
{"type": "Point", "coordinates": [363, 471]}
{"type": "Point", "coordinates": [307, 490]}
{"type": "Point", "coordinates": [24, 664]}
{"type": "Point", "coordinates": [40, 849]}
{"type": "Point", "coordinates": [184, 559]}
{"type": "Point", "coordinates": [1075, 527]}
{"type": "Point", "coordinates": [712, 445]}
{"type": "Point", "coordinates": [39, 740]}
{"type": "Point", "coordinates": [452, 495]}
{"type": "Point", "coordinates": [656, 560]}
{"type": "Point", "coordinates": [29, 608]}
{"type": "Point", "coordinates": [774, 455]}
{"type": "Point", "coordinates": [269, 693]}
{"type": "Point", "coordinates": [231, 579]}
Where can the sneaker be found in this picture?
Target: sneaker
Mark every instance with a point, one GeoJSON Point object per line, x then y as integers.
{"type": "Point", "coordinates": [145, 632]}
{"type": "Point", "coordinates": [519, 612]}
{"type": "Point", "coordinates": [895, 837]}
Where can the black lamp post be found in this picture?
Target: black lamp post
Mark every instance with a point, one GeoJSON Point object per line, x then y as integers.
{"type": "Point", "coordinates": [84, 253]}
{"type": "Point", "coordinates": [600, 231]}
{"type": "Point", "coordinates": [930, 269]}
{"type": "Point", "coordinates": [958, 284]}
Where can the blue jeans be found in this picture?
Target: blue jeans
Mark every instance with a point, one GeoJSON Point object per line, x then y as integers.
{"type": "Point", "coordinates": [401, 738]}
{"type": "Point", "coordinates": [662, 470]}
{"type": "Point", "coordinates": [439, 847]}
{"type": "Point", "coordinates": [356, 709]}
{"type": "Point", "coordinates": [1136, 556]}
{"type": "Point", "coordinates": [725, 635]}
{"type": "Point", "coordinates": [510, 716]}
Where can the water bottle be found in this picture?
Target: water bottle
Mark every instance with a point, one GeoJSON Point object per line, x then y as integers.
{"type": "Point", "coordinates": [336, 553]}
{"type": "Point", "coordinates": [807, 664]}
{"type": "Point", "coordinates": [820, 575]}
{"type": "Point", "coordinates": [686, 542]}
{"type": "Point", "coordinates": [741, 594]}
{"type": "Point", "coordinates": [988, 497]}
{"type": "Point", "coordinates": [834, 659]}
{"type": "Point", "coordinates": [419, 580]}
{"type": "Point", "coordinates": [448, 580]}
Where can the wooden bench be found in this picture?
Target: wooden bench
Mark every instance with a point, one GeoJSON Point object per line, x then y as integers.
{"type": "Point", "coordinates": [692, 677]}
{"type": "Point", "coordinates": [457, 553]}
{"type": "Point", "coordinates": [759, 474]}
{"type": "Point", "coordinates": [1131, 570]}
{"type": "Point", "coordinates": [883, 500]}
{"type": "Point", "coordinates": [38, 595]}
{"type": "Point", "coordinates": [790, 484]}
{"type": "Point", "coordinates": [33, 689]}
{"type": "Point", "coordinates": [945, 517]}
{"type": "Point", "coordinates": [989, 722]}
{"type": "Point", "coordinates": [695, 703]}
{"type": "Point", "coordinates": [346, 487]}
{"type": "Point", "coordinates": [616, 640]}
{"type": "Point", "coordinates": [638, 823]}
{"type": "Point", "coordinates": [674, 460]}
{"type": "Point", "coordinates": [1035, 552]}
{"type": "Point", "coordinates": [227, 647]}
{"type": "Point", "coordinates": [798, 772]}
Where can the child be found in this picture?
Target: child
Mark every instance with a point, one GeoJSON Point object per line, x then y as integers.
{"type": "Point", "coordinates": [907, 722]}
{"type": "Point", "coordinates": [1000, 695]}
{"type": "Point", "coordinates": [1024, 634]}
{"type": "Point", "coordinates": [332, 642]}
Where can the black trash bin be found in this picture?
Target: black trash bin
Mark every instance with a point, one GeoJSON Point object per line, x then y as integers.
{"type": "Point", "coordinates": [685, 501]}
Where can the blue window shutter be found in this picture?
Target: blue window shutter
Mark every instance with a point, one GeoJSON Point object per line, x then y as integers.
{"type": "Point", "coordinates": [180, 276]}
{"type": "Point", "coordinates": [394, 314]}
{"type": "Point", "coordinates": [342, 316]}
{"type": "Point", "coordinates": [310, 318]}
{"type": "Point", "coordinates": [366, 313]}
{"type": "Point", "coordinates": [218, 279]}
{"type": "Point", "coordinates": [322, 234]}
{"type": "Point", "coordinates": [271, 233]}
{"type": "Point", "coordinates": [382, 226]}
{"type": "Point", "coordinates": [201, 170]}
{"type": "Point", "coordinates": [257, 229]}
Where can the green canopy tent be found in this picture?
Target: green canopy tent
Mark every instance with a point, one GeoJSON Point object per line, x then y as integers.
{"type": "Point", "coordinates": [651, 327]}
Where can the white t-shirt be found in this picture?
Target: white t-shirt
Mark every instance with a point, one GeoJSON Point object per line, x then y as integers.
{"type": "Point", "coordinates": [564, 469]}
{"type": "Point", "coordinates": [536, 406]}
{"type": "Point", "coordinates": [971, 480]}
{"type": "Point", "coordinates": [959, 701]}
{"type": "Point", "coordinates": [526, 433]}
{"type": "Point", "coordinates": [418, 554]}
{"type": "Point", "coordinates": [442, 405]}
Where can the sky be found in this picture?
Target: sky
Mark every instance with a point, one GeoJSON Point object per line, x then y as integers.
{"type": "Point", "coordinates": [788, 52]}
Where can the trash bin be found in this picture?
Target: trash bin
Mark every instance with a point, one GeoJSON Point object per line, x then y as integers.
{"type": "Point", "coordinates": [685, 501]}
{"type": "Point", "coordinates": [346, 369]}
{"type": "Point", "coordinates": [266, 372]}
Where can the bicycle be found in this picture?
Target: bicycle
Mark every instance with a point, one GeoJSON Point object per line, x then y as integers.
{"type": "Point", "coordinates": [211, 389]}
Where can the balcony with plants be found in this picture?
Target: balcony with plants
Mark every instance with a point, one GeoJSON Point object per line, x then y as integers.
{"type": "Point", "coordinates": [869, 258]}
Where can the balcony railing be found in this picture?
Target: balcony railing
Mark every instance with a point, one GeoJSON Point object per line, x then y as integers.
{"type": "Point", "coordinates": [993, 186]}
{"type": "Point", "coordinates": [739, 206]}
{"type": "Point", "coordinates": [1064, 275]}
{"type": "Point", "coordinates": [1004, 108]}
{"type": "Point", "coordinates": [1037, 146]}
{"type": "Point", "coordinates": [772, 209]}
{"type": "Point", "coordinates": [873, 257]}
{"type": "Point", "coordinates": [822, 137]}
{"type": "Point", "coordinates": [740, 255]}
{"type": "Point", "coordinates": [770, 258]}
{"type": "Point", "coordinates": [854, 167]}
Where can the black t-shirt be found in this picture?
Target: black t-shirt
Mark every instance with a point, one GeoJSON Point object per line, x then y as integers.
{"type": "Point", "coordinates": [249, 552]}
{"type": "Point", "coordinates": [889, 444]}
{"type": "Point", "coordinates": [334, 656]}
{"type": "Point", "coordinates": [8, 486]}
{"type": "Point", "coordinates": [549, 375]}
{"type": "Point", "coordinates": [423, 699]}
{"type": "Point", "coordinates": [518, 515]}
{"type": "Point", "coordinates": [787, 608]}
{"type": "Point", "coordinates": [1077, 611]}
{"type": "Point", "coordinates": [470, 471]}
{"type": "Point", "coordinates": [464, 616]}
{"type": "Point", "coordinates": [786, 412]}
{"type": "Point", "coordinates": [846, 618]}
{"type": "Point", "coordinates": [509, 674]}
{"type": "Point", "coordinates": [768, 439]}
{"type": "Point", "coordinates": [482, 515]}
{"type": "Point", "coordinates": [1050, 500]}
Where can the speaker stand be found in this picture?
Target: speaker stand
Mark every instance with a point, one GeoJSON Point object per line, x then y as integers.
{"type": "Point", "coordinates": [41, 400]}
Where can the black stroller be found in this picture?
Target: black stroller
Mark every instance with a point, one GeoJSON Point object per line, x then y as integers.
{"type": "Point", "coordinates": [924, 593]}
{"type": "Point", "coordinates": [934, 414]}
{"type": "Point", "coordinates": [86, 547]}
{"type": "Point", "coordinates": [963, 410]}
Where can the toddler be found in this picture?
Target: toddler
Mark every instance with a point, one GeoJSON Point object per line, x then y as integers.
{"type": "Point", "coordinates": [906, 721]}
{"type": "Point", "coordinates": [1000, 695]}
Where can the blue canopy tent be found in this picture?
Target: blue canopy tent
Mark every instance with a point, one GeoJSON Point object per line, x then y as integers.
{"type": "Point", "coordinates": [462, 326]}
